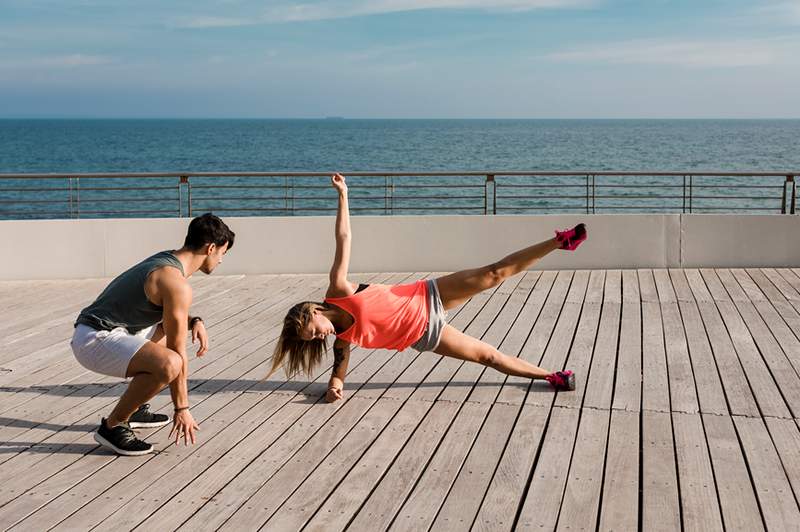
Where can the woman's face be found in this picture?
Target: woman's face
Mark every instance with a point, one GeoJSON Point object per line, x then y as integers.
{"type": "Point", "coordinates": [317, 328]}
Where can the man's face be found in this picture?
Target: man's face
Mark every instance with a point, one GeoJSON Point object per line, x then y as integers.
{"type": "Point", "coordinates": [214, 256]}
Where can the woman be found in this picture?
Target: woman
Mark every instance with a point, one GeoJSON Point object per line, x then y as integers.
{"type": "Point", "coordinates": [401, 316]}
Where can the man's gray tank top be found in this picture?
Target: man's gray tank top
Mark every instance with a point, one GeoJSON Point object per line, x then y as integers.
{"type": "Point", "coordinates": [123, 303]}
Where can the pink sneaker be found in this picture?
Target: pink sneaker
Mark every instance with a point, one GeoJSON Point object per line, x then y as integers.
{"type": "Point", "coordinates": [570, 239]}
{"type": "Point", "coordinates": [562, 380]}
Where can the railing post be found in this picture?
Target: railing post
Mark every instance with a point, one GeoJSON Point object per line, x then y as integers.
{"type": "Point", "coordinates": [791, 182]}
{"type": "Point", "coordinates": [489, 179]}
{"type": "Point", "coordinates": [594, 193]}
{"type": "Point", "coordinates": [71, 213]}
{"type": "Point", "coordinates": [683, 208]}
{"type": "Point", "coordinates": [691, 191]}
{"type": "Point", "coordinates": [77, 197]}
{"type": "Point", "coordinates": [587, 193]}
{"type": "Point", "coordinates": [184, 180]}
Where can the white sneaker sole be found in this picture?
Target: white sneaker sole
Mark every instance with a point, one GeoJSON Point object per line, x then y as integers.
{"type": "Point", "coordinates": [145, 425]}
{"type": "Point", "coordinates": [105, 443]}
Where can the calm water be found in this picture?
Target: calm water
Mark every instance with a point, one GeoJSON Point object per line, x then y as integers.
{"type": "Point", "coordinates": [375, 145]}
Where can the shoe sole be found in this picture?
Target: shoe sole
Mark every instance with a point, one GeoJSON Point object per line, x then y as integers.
{"type": "Point", "coordinates": [571, 383]}
{"type": "Point", "coordinates": [105, 443]}
{"type": "Point", "coordinates": [147, 424]}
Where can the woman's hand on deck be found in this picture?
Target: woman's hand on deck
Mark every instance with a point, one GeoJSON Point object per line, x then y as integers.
{"type": "Point", "coordinates": [334, 394]}
{"type": "Point", "coordinates": [337, 180]}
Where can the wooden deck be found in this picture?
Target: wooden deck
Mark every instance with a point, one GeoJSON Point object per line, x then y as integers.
{"type": "Point", "coordinates": [685, 416]}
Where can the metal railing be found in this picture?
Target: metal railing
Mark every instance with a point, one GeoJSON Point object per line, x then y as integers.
{"type": "Point", "coordinates": [99, 195]}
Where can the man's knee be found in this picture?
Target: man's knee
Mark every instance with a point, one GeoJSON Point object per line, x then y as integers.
{"type": "Point", "coordinates": [169, 367]}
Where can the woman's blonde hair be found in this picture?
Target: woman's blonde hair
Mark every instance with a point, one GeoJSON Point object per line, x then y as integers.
{"type": "Point", "coordinates": [293, 353]}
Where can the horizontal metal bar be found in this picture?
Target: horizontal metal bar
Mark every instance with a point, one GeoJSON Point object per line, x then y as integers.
{"type": "Point", "coordinates": [65, 189]}
{"type": "Point", "coordinates": [496, 173]}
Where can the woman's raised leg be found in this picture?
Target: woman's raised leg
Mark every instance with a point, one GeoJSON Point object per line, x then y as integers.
{"type": "Point", "coordinates": [456, 288]}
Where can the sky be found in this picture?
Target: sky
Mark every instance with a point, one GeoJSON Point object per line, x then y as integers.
{"type": "Point", "coordinates": [400, 58]}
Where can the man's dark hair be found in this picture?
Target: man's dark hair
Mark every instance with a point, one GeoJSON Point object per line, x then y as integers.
{"type": "Point", "coordinates": [208, 229]}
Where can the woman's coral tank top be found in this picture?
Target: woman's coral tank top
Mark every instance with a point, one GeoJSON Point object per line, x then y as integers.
{"type": "Point", "coordinates": [386, 316]}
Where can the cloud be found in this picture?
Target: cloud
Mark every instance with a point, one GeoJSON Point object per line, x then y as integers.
{"type": "Point", "coordinates": [337, 9]}
{"type": "Point", "coordinates": [211, 22]}
{"type": "Point", "coordinates": [59, 61]}
{"type": "Point", "coordinates": [686, 53]}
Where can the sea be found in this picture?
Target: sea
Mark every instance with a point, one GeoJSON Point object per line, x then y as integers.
{"type": "Point", "coordinates": [411, 147]}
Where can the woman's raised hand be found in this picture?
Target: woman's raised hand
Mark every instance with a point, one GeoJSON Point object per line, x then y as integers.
{"type": "Point", "coordinates": [337, 180]}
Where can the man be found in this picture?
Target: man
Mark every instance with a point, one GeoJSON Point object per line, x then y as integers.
{"type": "Point", "coordinates": [137, 329]}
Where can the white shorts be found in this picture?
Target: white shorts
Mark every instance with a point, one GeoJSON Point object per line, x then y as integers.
{"type": "Point", "coordinates": [108, 352]}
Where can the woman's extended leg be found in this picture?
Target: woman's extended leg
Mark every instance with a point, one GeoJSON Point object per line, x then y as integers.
{"type": "Point", "coordinates": [456, 288]}
{"type": "Point", "coordinates": [456, 344]}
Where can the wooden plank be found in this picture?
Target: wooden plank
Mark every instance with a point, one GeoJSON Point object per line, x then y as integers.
{"type": "Point", "coordinates": [714, 285]}
{"type": "Point", "coordinates": [556, 353]}
{"type": "Point", "coordinates": [535, 346]}
{"type": "Point", "coordinates": [505, 493]}
{"type": "Point", "coordinates": [297, 489]}
{"type": "Point", "coordinates": [766, 285]}
{"type": "Point", "coordinates": [761, 382]}
{"type": "Point", "coordinates": [628, 383]}
{"type": "Point", "coordinates": [784, 375]}
{"type": "Point", "coordinates": [579, 359]}
{"type": "Point", "coordinates": [710, 394]}
{"type": "Point", "coordinates": [542, 502]}
{"type": "Point", "coordinates": [515, 390]}
{"type": "Point", "coordinates": [600, 381]}
{"type": "Point", "coordinates": [786, 437]}
{"type": "Point", "coordinates": [647, 286]}
{"type": "Point", "coordinates": [580, 506]}
{"type": "Point", "coordinates": [420, 509]}
{"type": "Point", "coordinates": [750, 288]}
{"type": "Point", "coordinates": [346, 497]}
{"type": "Point", "coordinates": [544, 305]}
{"type": "Point", "coordinates": [793, 280]}
{"type": "Point", "coordinates": [384, 502]}
{"type": "Point", "coordinates": [655, 379]}
{"type": "Point", "coordinates": [620, 507]}
{"type": "Point", "coordinates": [683, 393]}
{"type": "Point", "coordinates": [737, 389]}
{"type": "Point", "coordinates": [699, 502]}
{"type": "Point", "coordinates": [660, 500]}
{"type": "Point", "coordinates": [698, 286]}
{"type": "Point", "coordinates": [464, 499]}
{"type": "Point", "coordinates": [680, 284]}
{"type": "Point", "coordinates": [778, 505]}
{"type": "Point", "coordinates": [739, 506]}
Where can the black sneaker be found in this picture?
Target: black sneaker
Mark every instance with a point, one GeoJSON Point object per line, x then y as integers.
{"type": "Point", "coordinates": [121, 440]}
{"type": "Point", "coordinates": [143, 418]}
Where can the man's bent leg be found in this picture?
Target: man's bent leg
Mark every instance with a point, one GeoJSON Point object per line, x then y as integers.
{"type": "Point", "coordinates": [152, 368]}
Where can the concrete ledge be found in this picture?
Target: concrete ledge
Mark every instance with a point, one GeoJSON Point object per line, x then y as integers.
{"type": "Point", "coordinates": [61, 249]}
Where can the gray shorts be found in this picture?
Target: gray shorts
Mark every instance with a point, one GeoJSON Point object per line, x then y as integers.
{"type": "Point", "coordinates": [437, 319]}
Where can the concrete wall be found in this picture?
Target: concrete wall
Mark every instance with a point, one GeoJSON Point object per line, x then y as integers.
{"type": "Point", "coordinates": [62, 249]}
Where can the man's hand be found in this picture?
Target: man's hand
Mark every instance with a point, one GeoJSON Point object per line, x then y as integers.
{"type": "Point", "coordinates": [334, 394]}
{"type": "Point", "coordinates": [183, 424]}
{"type": "Point", "coordinates": [337, 180]}
{"type": "Point", "coordinates": [199, 333]}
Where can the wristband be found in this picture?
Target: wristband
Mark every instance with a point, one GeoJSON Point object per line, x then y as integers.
{"type": "Point", "coordinates": [194, 320]}
{"type": "Point", "coordinates": [181, 408]}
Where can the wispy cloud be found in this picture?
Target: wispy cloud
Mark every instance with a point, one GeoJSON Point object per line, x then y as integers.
{"type": "Point", "coordinates": [734, 53]}
{"type": "Point", "coordinates": [337, 9]}
{"type": "Point", "coordinates": [59, 61]}
{"type": "Point", "coordinates": [783, 11]}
